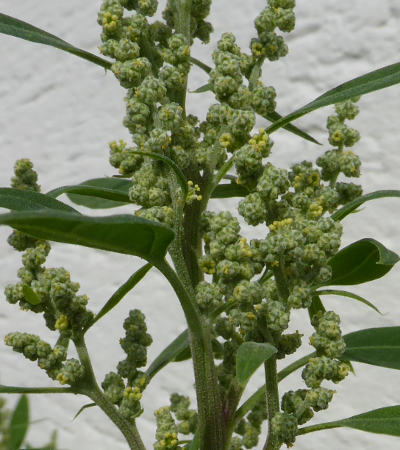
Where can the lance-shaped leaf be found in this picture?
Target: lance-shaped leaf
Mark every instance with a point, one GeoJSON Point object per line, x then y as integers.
{"type": "Point", "coordinates": [316, 306]}
{"type": "Point", "coordinates": [229, 190]}
{"type": "Point", "coordinates": [354, 204]}
{"type": "Point", "coordinates": [120, 293]}
{"type": "Point", "coordinates": [381, 421]}
{"type": "Point", "coordinates": [97, 193]}
{"type": "Point", "coordinates": [15, 27]}
{"type": "Point", "coordinates": [18, 200]}
{"type": "Point", "coordinates": [361, 261]}
{"type": "Point", "coordinates": [177, 346]}
{"type": "Point", "coordinates": [376, 346]}
{"type": "Point", "coordinates": [82, 408]}
{"type": "Point", "coordinates": [274, 116]}
{"type": "Point", "coordinates": [19, 424]}
{"type": "Point", "coordinates": [347, 294]}
{"type": "Point", "coordinates": [372, 81]}
{"type": "Point", "coordinates": [204, 88]}
{"type": "Point", "coordinates": [249, 357]}
{"type": "Point", "coordinates": [121, 233]}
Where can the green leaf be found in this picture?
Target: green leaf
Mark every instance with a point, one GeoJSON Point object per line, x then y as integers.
{"type": "Point", "coordinates": [249, 357]}
{"type": "Point", "coordinates": [30, 295]}
{"type": "Point", "coordinates": [348, 294]}
{"type": "Point", "coordinates": [18, 28]}
{"type": "Point", "coordinates": [19, 423]}
{"type": "Point", "coordinates": [381, 421]}
{"type": "Point", "coordinates": [88, 405]}
{"type": "Point", "coordinates": [184, 355]}
{"type": "Point", "coordinates": [361, 261]}
{"type": "Point", "coordinates": [204, 88]}
{"type": "Point", "coordinates": [121, 292]}
{"type": "Point", "coordinates": [177, 346]}
{"type": "Point", "coordinates": [315, 307]}
{"type": "Point", "coordinates": [372, 81]}
{"type": "Point", "coordinates": [229, 190]}
{"type": "Point", "coordinates": [120, 233]}
{"type": "Point", "coordinates": [200, 64]}
{"type": "Point", "coordinates": [354, 204]}
{"type": "Point", "coordinates": [97, 193]}
{"type": "Point", "coordinates": [274, 116]}
{"type": "Point", "coordinates": [18, 200]}
{"type": "Point", "coordinates": [376, 346]}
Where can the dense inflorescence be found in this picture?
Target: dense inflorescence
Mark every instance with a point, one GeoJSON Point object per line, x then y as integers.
{"type": "Point", "coordinates": [293, 204]}
{"type": "Point", "coordinates": [246, 290]}
{"type": "Point", "coordinates": [49, 291]}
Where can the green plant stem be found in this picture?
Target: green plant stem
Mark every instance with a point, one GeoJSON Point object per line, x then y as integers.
{"type": "Point", "coordinates": [233, 396]}
{"type": "Point", "coordinates": [128, 429]}
{"type": "Point", "coordinates": [182, 10]}
{"type": "Point", "coordinates": [36, 390]}
{"type": "Point", "coordinates": [249, 404]}
{"type": "Point", "coordinates": [88, 386]}
{"type": "Point", "coordinates": [211, 435]}
{"type": "Point", "coordinates": [271, 388]}
{"type": "Point", "coordinates": [318, 427]}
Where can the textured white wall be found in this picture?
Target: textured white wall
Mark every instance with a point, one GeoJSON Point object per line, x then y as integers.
{"type": "Point", "coordinates": [61, 112]}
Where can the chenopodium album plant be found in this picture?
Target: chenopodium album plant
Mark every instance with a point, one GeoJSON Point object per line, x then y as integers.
{"type": "Point", "coordinates": [237, 295]}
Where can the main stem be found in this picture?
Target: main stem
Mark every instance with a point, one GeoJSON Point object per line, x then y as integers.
{"type": "Point", "coordinates": [209, 404]}
{"type": "Point", "coordinates": [88, 386]}
{"type": "Point", "coordinates": [271, 387]}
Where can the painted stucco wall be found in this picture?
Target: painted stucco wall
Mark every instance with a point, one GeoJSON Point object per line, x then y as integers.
{"type": "Point", "coordinates": [61, 111]}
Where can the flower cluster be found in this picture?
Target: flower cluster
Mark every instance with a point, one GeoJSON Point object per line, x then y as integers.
{"type": "Point", "coordinates": [127, 394]}
{"type": "Point", "coordinates": [172, 420]}
{"type": "Point", "coordinates": [49, 291]}
{"type": "Point", "coordinates": [278, 14]}
{"type": "Point", "coordinates": [339, 161]}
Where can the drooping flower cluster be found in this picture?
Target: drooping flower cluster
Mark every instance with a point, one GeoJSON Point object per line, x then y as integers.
{"type": "Point", "coordinates": [49, 291]}
{"type": "Point", "coordinates": [127, 395]}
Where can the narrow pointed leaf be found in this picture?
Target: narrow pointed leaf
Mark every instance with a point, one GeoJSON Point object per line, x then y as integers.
{"type": "Point", "coordinates": [229, 190]}
{"type": "Point", "coordinates": [204, 88]}
{"type": "Point", "coordinates": [121, 292]}
{"type": "Point", "coordinates": [316, 306]}
{"type": "Point", "coordinates": [88, 405]}
{"type": "Point", "coordinates": [121, 233]}
{"type": "Point", "coordinates": [347, 294]}
{"type": "Point", "coordinates": [381, 421]}
{"type": "Point", "coordinates": [249, 357]}
{"type": "Point", "coordinates": [361, 261]}
{"type": "Point", "coordinates": [18, 200]}
{"type": "Point", "coordinates": [274, 116]}
{"type": "Point", "coordinates": [30, 295]}
{"type": "Point", "coordinates": [19, 423]}
{"type": "Point", "coordinates": [376, 346]}
{"type": "Point", "coordinates": [15, 27]}
{"type": "Point", "coordinates": [354, 204]}
{"type": "Point", "coordinates": [98, 193]}
{"type": "Point", "coordinates": [372, 81]}
{"type": "Point", "coordinates": [200, 64]}
{"type": "Point", "coordinates": [178, 345]}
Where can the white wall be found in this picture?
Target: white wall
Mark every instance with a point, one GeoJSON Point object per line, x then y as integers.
{"type": "Point", "coordinates": [61, 111]}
